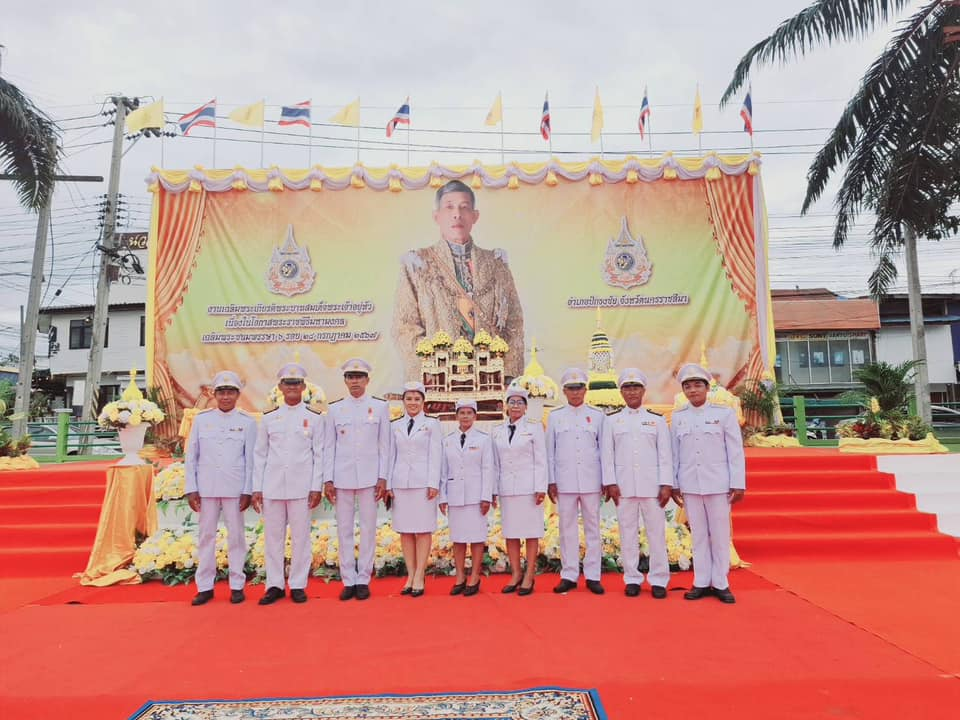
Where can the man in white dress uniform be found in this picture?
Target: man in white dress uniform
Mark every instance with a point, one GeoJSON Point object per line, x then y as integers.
{"type": "Point", "coordinates": [357, 450]}
{"type": "Point", "coordinates": [287, 479]}
{"type": "Point", "coordinates": [575, 477]}
{"type": "Point", "coordinates": [219, 479]}
{"type": "Point", "coordinates": [710, 476]}
{"type": "Point", "coordinates": [635, 451]}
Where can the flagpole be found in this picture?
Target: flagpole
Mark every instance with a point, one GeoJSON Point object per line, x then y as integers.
{"type": "Point", "coordinates": [502, 160]}
{"type": "Point", "coordinates": [214, 140]}
{"type": "Point", "coordinates": [358, 142]}
{"type": "Point", "coordinates": [750, 93]}
{"type": "Point", "coordinates": [601, 145]}
{"type": "Point", "coordinates": [409, 124]}
{"type": "Point", "coordinates": [310, 142]}
{"type": "Point", "coordinates": [263, 125]}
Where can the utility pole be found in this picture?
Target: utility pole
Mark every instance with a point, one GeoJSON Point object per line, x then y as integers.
{"type": "Point", "coordinates": [28, 329]}
{"type": "Point", "coordinates": [917, 333]}
{"type": "Point", "coordinates": [101, 306]}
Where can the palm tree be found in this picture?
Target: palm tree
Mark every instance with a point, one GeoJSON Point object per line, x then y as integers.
{"type": "Point", "coordinates": [29, 149]}
{"type": "Point", "coordinates": [897, 139]}
{"type": "Point", "coordinates": [886, 383]}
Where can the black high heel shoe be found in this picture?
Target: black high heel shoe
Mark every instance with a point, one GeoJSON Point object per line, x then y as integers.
{"type": "Point", "coordinates": [522, 591]}
{"type": "Point", "coordinates": [469, 590]}
{"type": "Point", "coordinates": [511, 588]}
{"type": "Point", "coordinates": [416, 592]}
{"type": "Point", "coordinates": [406, 590]}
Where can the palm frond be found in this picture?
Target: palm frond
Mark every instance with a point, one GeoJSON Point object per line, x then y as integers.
{"type": "Point", "coordinates": [28, 146]}
{"type": "Point", "coordinates": [823, 22]}
{"type": "Point", "coordinates": [883, 275]}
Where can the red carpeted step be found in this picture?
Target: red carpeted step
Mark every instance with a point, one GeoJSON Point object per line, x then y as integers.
{"type": "Point", "coordinates": [841, 521]}
{"type": "Point", "coordinates": [44, 561]}
{"type": "Point", "coordinates": [836, 545]}
{"type": "Point", "coordinates": [811, 459]}
{"type": "Point", "coordinates": [40, 513]}
{"type": "Point", "coordinates": [82, 473]}
{"type": "Point", "coordinates": [865, 500]}
{"type": "Point", "coordinates": [46, 534]}
{"type": "Point", "coordinates": [800, 480]}
{"type": "Point", "coordinates": [50, 494]}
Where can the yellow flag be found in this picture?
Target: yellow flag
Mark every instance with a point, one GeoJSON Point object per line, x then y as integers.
{"type": "Point", "coordinates": [149, 116]}
{"type": "Point", "coordinates": [496, 111]}
{"type": "Point", "coordinates": [697, 114]}
{"type": "Point", "coordinates": [251, 115]}
{"type": "Point", "coordinates": [597, 127]}
{"type": "Point", "coordinates": [349, 115]}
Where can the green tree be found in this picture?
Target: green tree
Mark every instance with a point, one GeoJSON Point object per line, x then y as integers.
{"type": "Point", "coordinates": [897, 140]}
{"type": "Point", "coordinates": [29, 148]}
{"type": "Point", "coordinates": [889, 384]}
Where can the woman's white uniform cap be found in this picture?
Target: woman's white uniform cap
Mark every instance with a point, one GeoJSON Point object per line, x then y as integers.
{"type": "Point", "coordinates": [692, 371]}
{"type": "Point", "coordinates": [573, 376]}
{"type": "Point", "coordinates": [356, 365]}
{"type": "Point", "coordinates": [413, 386]}
{"type": "Point", "coordinates": [632, 376]}
{"type": "Point", "coordinates": [292, 371]}
{"type": "Point", "coordinates": [227, 379]}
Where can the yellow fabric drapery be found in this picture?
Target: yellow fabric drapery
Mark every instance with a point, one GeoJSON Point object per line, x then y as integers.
{"type": "Point", "coordinates": [128, 508]}
{"type": "Point", "coordinates": [881, 446]}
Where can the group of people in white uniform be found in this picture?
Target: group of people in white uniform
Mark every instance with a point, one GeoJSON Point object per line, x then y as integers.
{"type": "Point", "coordinates": [355, 457]}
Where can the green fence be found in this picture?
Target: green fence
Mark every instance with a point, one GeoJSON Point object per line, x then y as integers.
{"type": "Point", "coordinates": [65, 439]}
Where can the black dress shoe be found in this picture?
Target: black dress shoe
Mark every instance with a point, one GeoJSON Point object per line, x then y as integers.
{"type": "Point", "coordinates": [458, 588]}
{"type": "Point", "coordinates": [469, 590]}
{"type": "Point", "coordinates": [631, 590]}
{"type": "Point", "coordinates": [271, 596]}
{"type": "Point", "coordinates": [416, 592]}
{"type": "Point", "coordinates": [406, 591]}
{"type": "Point", "coordinates": [237, 596]}
{"type": "Point", "coordinates": [202, 598]}
{"type": "Point", "coordinates": [511, 588]}
{"type": "Point", "coordinates": [298, 595]}
{"type": "Point", "coordinates": [348, 592]}
{"type": "Point", "coordinates": [522, 591]}
{"type": "Point", "coordinates": [725, 596]}
{"type": "Point", "coordinates": [659, 592]}
{"type": "Point", "coordinates": [363, 592]}
{"type": "Point", "coordinates": [565, 586]}
{"type": "Point", "coordinates": [695, 593]}
{"type": "Point", "coordinates": [595, 587]}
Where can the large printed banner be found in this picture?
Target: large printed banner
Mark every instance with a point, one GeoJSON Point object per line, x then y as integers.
{"type": "Point", "coordinates": [250, 270]}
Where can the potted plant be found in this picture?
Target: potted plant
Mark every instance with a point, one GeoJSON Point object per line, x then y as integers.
{"type": "Point", "coordinates": [131, 415]}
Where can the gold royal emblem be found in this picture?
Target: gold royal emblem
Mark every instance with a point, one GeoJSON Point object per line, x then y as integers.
{"type": "Point", "coordinates": [290, 272]}
{"type": "Point", "coordinates": [625, 263]}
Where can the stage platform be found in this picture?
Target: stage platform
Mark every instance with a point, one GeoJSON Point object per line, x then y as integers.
{"type": "Point", "coordinates": [850, 628]}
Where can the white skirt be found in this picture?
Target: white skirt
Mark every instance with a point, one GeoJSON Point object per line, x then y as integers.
{"type": "Point", "coordinates": [412, 512]}
{"type": "Point", "coordinates": [467, 524]}
{"type": "Point", "coordinates": [522, 517]}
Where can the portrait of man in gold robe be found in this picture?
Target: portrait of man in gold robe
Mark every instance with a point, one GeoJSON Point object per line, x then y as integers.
{"type": "Point", "coordinates": [455, 286]}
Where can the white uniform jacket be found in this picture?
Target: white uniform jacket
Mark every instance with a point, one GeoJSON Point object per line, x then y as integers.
{"type": "Point", "coordinates": [707, 450]}
{"type": "Point", "coordinates": [468, 471]}
{"type": "Point", "coordinates": [357, 442]}
{"type": "Point", "coordinates": [521, 465]}
{"type": "Point", "coordinates": [416, 459]}
{"type": "Point", "coordinates": [635, 452]}
{"type": "Point", "coordinates": [289, 454]}
{"type": "Point", "coordinates": [573, 449]}
{"type": "Point", "coordinates": [220, 454]}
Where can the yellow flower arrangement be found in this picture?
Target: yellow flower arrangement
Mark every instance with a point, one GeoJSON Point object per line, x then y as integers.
{"type": "Point", "coordinates": [170, 483]}
{"type": "Point", "coordinates": [131, 409]}
{"type": "Point", "coordinates": [424, 348]}
{"type": "Point", "coordinates": [482, 339]}
{"type": "Point", "coordinates": [170, 554]}
{"type": "Point", "coordinates": [462, 345]}
{"type": "Point", "coordinates": [499, 345]}
{"type": "Point", "coordinates": [441, 339]}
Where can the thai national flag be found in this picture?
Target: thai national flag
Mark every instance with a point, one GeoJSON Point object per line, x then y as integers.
{"type": "Point", "coordinates": [400, 117]}
{"type": "Point", "coordinates": [746, 112]}
{"type": "Point", "coordinates": [298, 114]}
{"type": "Point", "coordinates": [545, 119]}
{"type": "Point", "coordinates": [203, 116]}
{"type": "Point", "coordinates": [644, 114]}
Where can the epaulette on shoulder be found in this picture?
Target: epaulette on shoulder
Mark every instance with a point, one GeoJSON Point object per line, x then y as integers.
{"type": "Point", "coordinates": [558, 407]}
{"type": "Point", "coordinates": [682, 408]}
{"type": "Point", "coordinates": [267, 412]}
{"type": "Point", "coordinates": [615, 412]}
{"type": "Point", "coordinates": [378, 398]}
{"type": "Point", "coordinates": [534, 421]}
{"type": "Point", "coordinates": [398, 418]}
{"type": "Point", "coordinates": [314, 410]}
{"type": "Point", "coordinates": [654, 412]}
{"type": "Point", "coordinates": [332, 402]}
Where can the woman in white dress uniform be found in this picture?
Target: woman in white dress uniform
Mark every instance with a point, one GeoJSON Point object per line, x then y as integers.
{"type": "Point", "coordinates": [413, 483]}
{"type": "Point", "coordinates": [466, 491]}
{"type": "Point", "coordinates": [520, 458]}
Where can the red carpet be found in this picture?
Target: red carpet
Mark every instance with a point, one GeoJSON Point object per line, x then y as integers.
{"type": "Point", "coordinates": [869, 637]}
{"type": "Point", "coordinates": [823, 504]}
